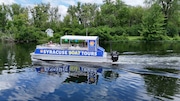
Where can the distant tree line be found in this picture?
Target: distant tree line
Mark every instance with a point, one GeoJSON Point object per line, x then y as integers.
{"type": "Point", "coordinates": [113, 20]}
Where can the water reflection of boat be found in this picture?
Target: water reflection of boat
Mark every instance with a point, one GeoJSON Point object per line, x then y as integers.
{"type": "Point", "coordinates": [76, 74]}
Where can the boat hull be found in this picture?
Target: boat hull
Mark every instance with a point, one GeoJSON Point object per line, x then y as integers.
{"type": "Point", "coordinates": [48, 57]}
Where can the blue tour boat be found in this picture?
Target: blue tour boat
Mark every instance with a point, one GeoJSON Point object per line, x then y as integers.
{"type": "Point", "coordinates": [74, 48]}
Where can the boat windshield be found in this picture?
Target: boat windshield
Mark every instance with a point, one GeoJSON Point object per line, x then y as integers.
{"type": "Point", "coordinates": [74, 44]}
{"type": "Point", "coordinates": [79, 41]}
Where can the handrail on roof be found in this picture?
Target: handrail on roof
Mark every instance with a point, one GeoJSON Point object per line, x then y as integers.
{"type": "Point", "coordinates": [72, 37]}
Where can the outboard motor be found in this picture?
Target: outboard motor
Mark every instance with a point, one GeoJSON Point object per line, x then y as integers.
{"type": "Point", "coordinates": [114, 56]}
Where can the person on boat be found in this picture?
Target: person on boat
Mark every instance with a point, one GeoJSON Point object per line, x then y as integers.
{"type": "Point", "coordinates": [50, 42]}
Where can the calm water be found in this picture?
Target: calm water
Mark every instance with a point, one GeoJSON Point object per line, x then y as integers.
{"type": "Point", "coordinates": [146, 71]}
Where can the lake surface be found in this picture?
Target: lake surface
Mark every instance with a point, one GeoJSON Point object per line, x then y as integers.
{"type": "Point", "coordinates": [146, 71]}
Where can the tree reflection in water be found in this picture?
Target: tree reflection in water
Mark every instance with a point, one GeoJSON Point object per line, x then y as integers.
{"type": "Point", "coordinates": [110, 75]}
{"type": "Point", "coordinates": [162, 85]}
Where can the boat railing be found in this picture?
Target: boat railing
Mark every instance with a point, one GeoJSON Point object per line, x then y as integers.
{"type": "Point", "coordinates": [49, 46]}
{"type": "Point", "coordinates": [77, 48]}
{"type": "Point", "coordinates": [65, 45]}
{"type": "Point", "coordinates": [62, 46]}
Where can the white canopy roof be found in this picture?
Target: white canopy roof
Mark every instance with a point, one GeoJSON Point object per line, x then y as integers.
{"type": "Point", "coordinates": [72, 37]}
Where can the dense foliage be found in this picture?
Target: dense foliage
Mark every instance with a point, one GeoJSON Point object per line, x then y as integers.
{"type": "Point", "coordinates": [113, 20]}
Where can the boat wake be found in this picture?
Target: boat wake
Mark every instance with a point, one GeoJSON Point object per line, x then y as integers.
{"type": "Point", "coordinates": [160, 61]}
{"type": "Point", "coordinates": [149, 60]}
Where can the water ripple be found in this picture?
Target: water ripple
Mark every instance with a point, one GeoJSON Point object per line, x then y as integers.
{"type": "Point", "coordinates": [142, 71]}
{"type": "Point", "coordinates": [126, 82]}
{"type": "Point", "coordinates": [149, 60]}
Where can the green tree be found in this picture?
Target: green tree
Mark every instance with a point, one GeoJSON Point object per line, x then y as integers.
{"type": "Point", "coordinates": [122, 13]}
{"type": "Point", "coordinates": [103, 32]}
{"type": "Point", "coordinates": [168, 6]}
{"type": "Point", "coordinates": [18, 24]}
{"type": "Point", "coordinates": [3, 17]}
{"type": "Point", "coordinates": [153, 22]}
{"type": "Point", "coordinates": [54, 21]}
{"type": "Point", "coordinates": [111, 20]}
{"type": "Point", "coordinates": [67, 24]}
{"type": "Point", "coordinates": [136, 14]}
{"type": "Point", "coordinates": [81, 16]}
{"type": "Point", "coordinates": [15, 9]}
{"type": "Point", "coordinates": [107, 13]}
{"type": "Point", "coordinates": [88, 13]}
{"type": "Point", "coordinates": [40, 16]}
